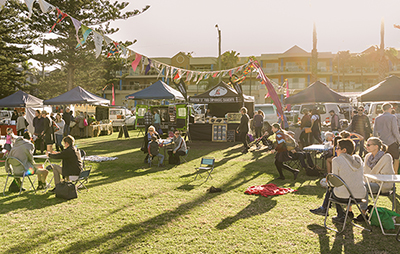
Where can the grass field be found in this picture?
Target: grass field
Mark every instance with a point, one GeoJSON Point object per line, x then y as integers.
{"type": "Point", "coordinates": [132, 208]}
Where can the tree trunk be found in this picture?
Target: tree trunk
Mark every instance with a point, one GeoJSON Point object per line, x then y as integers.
{"type": "Point", "coordinates": [71, 77]}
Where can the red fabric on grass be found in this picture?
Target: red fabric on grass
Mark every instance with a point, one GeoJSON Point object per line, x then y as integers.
{"type": "Point", "coordinates": [267, 190]}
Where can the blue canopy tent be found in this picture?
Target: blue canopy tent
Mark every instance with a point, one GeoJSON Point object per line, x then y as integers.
{"type": "Point", "coordinates": [78, 95]}
{"type": "Point", "coordinates": [157, 91]}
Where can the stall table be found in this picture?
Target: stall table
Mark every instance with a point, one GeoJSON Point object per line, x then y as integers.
{"type": "Point", "coordinates": [94, 130]}
{"type": "Point", "coordinates": [203, 131]}
{"type": "Point", "coordinates": [317, 150]}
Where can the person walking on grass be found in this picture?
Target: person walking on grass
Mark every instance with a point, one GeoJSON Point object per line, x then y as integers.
{"type": "Point", "coordinates": [386, 129]}
{"type": "Point", "coordinates": [282, 154]}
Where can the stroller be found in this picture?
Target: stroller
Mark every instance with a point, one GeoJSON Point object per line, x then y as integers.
{"type": "Point", "coordinates": [264, 140]}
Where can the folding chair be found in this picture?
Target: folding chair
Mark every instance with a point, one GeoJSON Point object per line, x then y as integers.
{"type": "Point", "coordinates": [335, 181]}
{"type": "Point", "coordinates": [206, 164]}
{"type": "Point", "coordinates": [10, 164]}
{"type": "Point", "coordinates": [187, 152]}
{"type": "Point", "coordinates": [82, 179]}
{"type": "Point", "coordinates": [294, 163]}
{"type": "Point", "coordinates": [152, 158]}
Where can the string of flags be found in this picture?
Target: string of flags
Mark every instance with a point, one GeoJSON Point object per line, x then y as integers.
{"type": "Point", "coordinates": [136, 59]}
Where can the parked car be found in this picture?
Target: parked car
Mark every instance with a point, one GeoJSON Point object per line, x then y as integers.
{"type": "Point", "coordinates": [375, 109]}
{"type": "Point", "coordinates": [323, 109]}
{"type": "Point", "coordinates": [270, 114]}
{"type": "Point", "coordinates": [121, 116]}
{"type": "Point", "coordinates": [293, 114]}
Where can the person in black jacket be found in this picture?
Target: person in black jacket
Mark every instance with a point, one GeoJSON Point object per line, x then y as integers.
{"type": "Point", "coordinates": [67, 119]}
{"type": "Point", "coordinates": [71, 161]}
{"type": "Point", "coordinates": [48, 131]}
{"type": "Point", "coordinates": [38, 125]}
{"type": "Point", "coordinates": [243, 129]}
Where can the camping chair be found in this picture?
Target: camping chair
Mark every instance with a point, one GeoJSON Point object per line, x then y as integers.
{"type": "Point", "coordinates": [335, 181]}
{"type": "Point", "coordinates": [187, 152]}
{"type": "Point", "coordinates": [206, 164]}
{"type": "Point", "coordinates": [152, 158]}
{"type": "Point", "coordinates": [82, 179]}
{"type": "Point", "coordinates": [12, 162]}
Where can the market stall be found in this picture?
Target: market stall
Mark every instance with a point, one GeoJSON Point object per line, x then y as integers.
{"type": "Point", "coordinates": [224, 103]}
{"type": "Point", "coordinates": [174, 115]}
{"type": "Point", "coordinates": [78, 95]}
{"type": "Point", "coordinates": [387, 90]}
{"type": "Point", "coordinates": [21, 100]}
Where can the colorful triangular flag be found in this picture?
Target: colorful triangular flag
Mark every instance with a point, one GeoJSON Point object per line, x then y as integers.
{"type": "Point", "coordinates": [98, 43]}
{"type": "Point", "coordinates": [29, 4]}
{"type": "Point", "coordinates": [136, 62]}
{"type": "Point", "coordinates": [85, 31]}
{"type": "Point", "coordinates": [60, 16]}
{"type": "Point", "coordinates": [77, 25]}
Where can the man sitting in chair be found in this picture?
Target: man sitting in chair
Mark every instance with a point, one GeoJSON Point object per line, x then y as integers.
{"type": "Point", "coordinates": [23, 151]}
{"type": "Point", "coordinates": [350, 168]}
{"type": "Point", "coordinates": [179, 150]}
{"type": "Point", "coordinates": [71, 161]}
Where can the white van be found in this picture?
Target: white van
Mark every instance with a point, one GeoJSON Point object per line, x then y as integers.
{"type": "Point", "coordinates": [120, 116]}
{"type": "Point", "coordinates": [375, 109]}
{"type": "Point", "coordinates": [323, 109]}
{"type": "Point", "coordinates": [269, 110]}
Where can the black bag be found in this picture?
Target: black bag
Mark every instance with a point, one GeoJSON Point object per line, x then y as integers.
{"type": "Point", "coordinates": [66, 190]}
{"type": "Point", "coordinates": [14, 186]}
{"type": "Point", "coordinates": [26, 123]}
{"type": "Point", "coordinates": [312, 171]}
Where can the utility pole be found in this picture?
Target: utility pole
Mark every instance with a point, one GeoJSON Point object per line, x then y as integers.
{"type": "Point", "coordinates": [219, 50]}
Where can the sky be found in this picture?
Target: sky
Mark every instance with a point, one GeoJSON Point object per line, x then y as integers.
{"type": "Point", "coordinates": [257, 27]}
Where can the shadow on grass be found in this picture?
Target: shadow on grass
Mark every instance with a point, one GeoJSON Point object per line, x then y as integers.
{"type": "Point", "coordinates": [28, 200]}
{"type": "Point", "coordinates": [256, 207]}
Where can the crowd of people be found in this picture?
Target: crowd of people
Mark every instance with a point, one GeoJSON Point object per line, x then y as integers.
{"type": "Point", "coordinates": [49, 130]}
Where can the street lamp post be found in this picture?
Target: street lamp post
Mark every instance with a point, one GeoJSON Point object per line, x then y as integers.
{"type": "Point", "coordinates": [219, 50]}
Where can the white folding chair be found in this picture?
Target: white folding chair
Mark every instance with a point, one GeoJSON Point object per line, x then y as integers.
{"type": "Point", "coordinates": [335, 181]}
{"type": "Point", "coordinates": [10, 164]}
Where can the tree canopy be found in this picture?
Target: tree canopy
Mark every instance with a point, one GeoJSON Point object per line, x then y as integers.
{"type": "Point", "coordinates": [15, 38]}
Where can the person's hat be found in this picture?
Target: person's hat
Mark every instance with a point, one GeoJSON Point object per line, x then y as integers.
{"type": "Point", "coordinates": [332, 111]}
{"type": "Point", "coordinates": [67, 108]}
{"type": "Point", "coordinates": [44, 112]}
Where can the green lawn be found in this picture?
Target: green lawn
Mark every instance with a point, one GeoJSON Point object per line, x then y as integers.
{"type": "Point", "coordinates": [131, 208]}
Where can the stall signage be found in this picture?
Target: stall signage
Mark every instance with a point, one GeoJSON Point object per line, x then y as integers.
{"type": "Point", "coordinates": [218, 91]}
{"type": "Point", "coordinates": [215, 100]}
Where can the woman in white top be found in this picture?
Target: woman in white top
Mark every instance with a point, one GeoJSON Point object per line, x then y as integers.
{"type": "Point", "coordinates": [349, 167]}
{"type": "Point", "coordinates": [377, 162]}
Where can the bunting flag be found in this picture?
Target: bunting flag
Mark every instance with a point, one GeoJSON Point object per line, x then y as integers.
{"type": "Point", "coordinates": [85, 31]}
{"type": "Point", "coordinates": [195, 78]}
{"type": "Point", "coordinates": [200, 78]}
{"type": "Point", "coordinates": [167, 71]}
{"type": "Point", "coordinates": [114, 49]}
{"type": "Point", "coordinates": [160, 72]}
{"type": "Point", "coordinates": [60, 17]}
{"type": "Point", "coordinates": [266, 96]}
{"type": "Point", "coordinates": [46, 7]}
{"type": "Point", "coordinates": [189, 76]}
{"type": "Point", "coordinates": [98, 42]}
{"type": "Point", "coordinates": [148, 67]}
{"type": "Point", "coordinates": [136, 62]}
{"type": "Point", "coordinates": [287, 94]}
{"type": "Point", "coordinates": [182, 88]}
{"type": "Point", "coordinates": [215, 74]}
{"type": "Point", "coordinates": [77, 25]}
{"type": "Point", "coordinates": [271, 91]}
{"type": "Point", "coordinates": [2, 3]}
{"type": "Point", "coordinates": [107, 40]}
{"type": "Point", "coordinates": [29, 4]}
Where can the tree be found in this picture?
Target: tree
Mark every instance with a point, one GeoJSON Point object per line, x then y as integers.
{"type": "Point", "coordinates": [230, 59]}
{"type": "Point", "coordinates": [80, 64]}
{"type": "Point", "coordinates": [342, 61]}
{"type": "Point", "coordinates": [314, 57]}
{"type": "Point", "coordinates": [15, 39]}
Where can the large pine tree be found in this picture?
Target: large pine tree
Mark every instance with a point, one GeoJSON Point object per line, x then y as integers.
{"type": "Point", "coordinates": [15, 38]}
{"type": "Point", "coordinates": [79, 66]}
